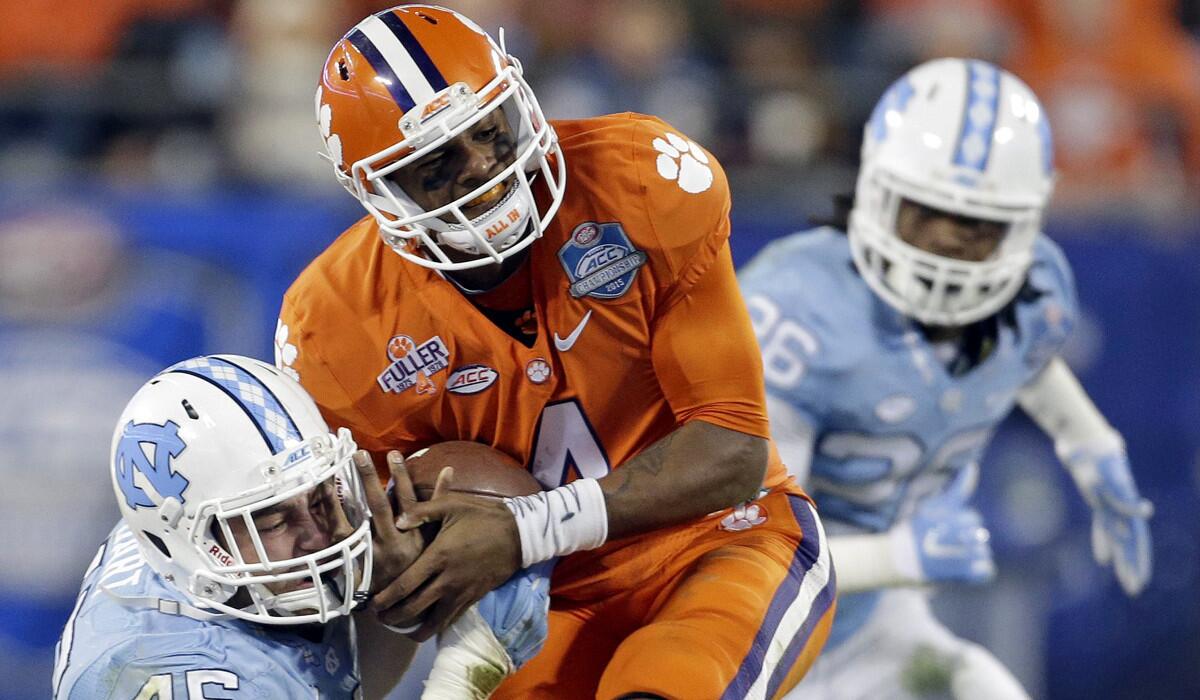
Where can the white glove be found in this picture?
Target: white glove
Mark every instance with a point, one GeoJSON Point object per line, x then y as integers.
{"type": "Point", "coordinates": [1120, 533]}
{"type": "Point", "coordinates": [493, 638]}
{"type": "Point", "coordinates": [470, 663]}
{"type": "Point", "coordinates": [945, 539]}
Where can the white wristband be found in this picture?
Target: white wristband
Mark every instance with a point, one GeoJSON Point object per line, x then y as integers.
{"type": "Point", "coordinates": [554, 523]}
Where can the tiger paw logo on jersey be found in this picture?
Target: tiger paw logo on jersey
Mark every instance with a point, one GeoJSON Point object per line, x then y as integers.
{"type": "Point", "coordinates": [600, 260]}
{"type": "Point", "coordinates": [413, 365]}
{"type": "Point", "coordinates": [744, 517]}
{"type": "Point", "coordinates": [538, 370]}
{"type": "Point", "coordinates": [684, 162]}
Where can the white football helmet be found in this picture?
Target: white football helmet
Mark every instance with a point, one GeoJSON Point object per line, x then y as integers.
{"type": "Point", "coordinates": [960, 136]}
{"type": "Point", "coordinates": [218, 439]}
{"type": "Point", "coordinates": [400, 85]}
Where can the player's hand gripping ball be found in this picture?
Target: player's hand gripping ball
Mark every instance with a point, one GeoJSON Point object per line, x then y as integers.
{"type": "Point", "coordinates": [479, 470]}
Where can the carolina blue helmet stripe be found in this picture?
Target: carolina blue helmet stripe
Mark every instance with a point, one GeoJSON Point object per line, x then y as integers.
{"type": "Point", "coordinates": [383, 69]}
{"type": "Point", "coordinates": [254, 397]}
{"type": "Point", "coordinates": [980, 114]}
{"type": "Point", "coordinates": [1047, 142]}
{"type": "Point", "coordinates": [414, 49]}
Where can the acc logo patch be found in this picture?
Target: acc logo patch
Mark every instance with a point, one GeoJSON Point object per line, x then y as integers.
{"type": "Point", "coordinates": [600, 260]}
{"type": "Point", "coordinates": [413, 365]}
{"type": "Point", "coordinates": [166, 444]}
{"type": "Point", "coordinates": [471, 379]}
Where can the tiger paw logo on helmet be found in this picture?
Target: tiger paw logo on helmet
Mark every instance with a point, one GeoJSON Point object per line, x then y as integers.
{"type": "Point", "coordinates": [684, 162]}
{"type": "Point", "coordinates": [333, 142]}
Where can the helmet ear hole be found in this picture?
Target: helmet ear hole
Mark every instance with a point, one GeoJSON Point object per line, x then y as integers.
{"type": "Point", "coordinates": [343, 69]}
{"type": "Point", "coordinates": [158, 542]}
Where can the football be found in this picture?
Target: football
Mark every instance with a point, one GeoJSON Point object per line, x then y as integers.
{"type": "Point", "coordinates": [479, 470]}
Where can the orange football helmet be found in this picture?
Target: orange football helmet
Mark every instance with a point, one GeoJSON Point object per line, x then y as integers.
{"type": "Point", "coordinates": [400, 85]}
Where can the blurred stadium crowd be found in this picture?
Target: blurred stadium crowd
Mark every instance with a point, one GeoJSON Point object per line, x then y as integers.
{"type": "Point", "coordinates": [186, 93]}
{"type": "Point", "coordinates": [159, 189]}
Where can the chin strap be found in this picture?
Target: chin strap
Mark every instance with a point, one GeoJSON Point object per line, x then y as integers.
{"type": "Point", "coordinates": [165, 606]}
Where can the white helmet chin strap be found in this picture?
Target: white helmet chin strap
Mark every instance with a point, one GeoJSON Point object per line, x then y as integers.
{"type": "Point", "coordinates": [165, 605]}
{"type": "Point", "coordinates": [300, 602]}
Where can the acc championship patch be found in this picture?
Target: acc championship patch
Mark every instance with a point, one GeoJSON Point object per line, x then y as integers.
{"type": "Point", "coordinates": [600, 261]}
{"type": "Point", "coordinates": [413, 365]}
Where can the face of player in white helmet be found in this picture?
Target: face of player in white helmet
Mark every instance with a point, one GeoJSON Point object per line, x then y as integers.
{"type": "Point", "coordinates": [947, 234]}
{"type": "Point", "coordinates": [297, 527]}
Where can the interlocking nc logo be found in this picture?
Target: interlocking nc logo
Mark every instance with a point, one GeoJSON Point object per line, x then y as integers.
{"type": "Point", "coordinates": [131, 458]}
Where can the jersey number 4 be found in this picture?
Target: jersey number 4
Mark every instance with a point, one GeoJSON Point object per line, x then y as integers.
{"type": "Point", "coordinates": [566, 447]}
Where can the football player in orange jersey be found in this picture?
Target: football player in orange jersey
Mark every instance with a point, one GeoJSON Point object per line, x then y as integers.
{"type": "Point", "coordinates": [563, 292]}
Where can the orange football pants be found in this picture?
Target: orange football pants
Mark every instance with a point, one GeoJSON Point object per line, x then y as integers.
{"type": "Point", "coordinates": [741, 613]}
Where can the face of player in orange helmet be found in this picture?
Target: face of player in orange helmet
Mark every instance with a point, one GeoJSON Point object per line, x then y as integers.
{"type": "Point", "coordinates": [432, 127]}
{"type": "Point", "coordinates": [448, 174]}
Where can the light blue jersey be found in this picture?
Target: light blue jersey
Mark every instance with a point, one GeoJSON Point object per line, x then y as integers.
{"type": "Point", "coordinates": [114, 648]}
{"type": "Point", "coordinates": [891, 422]}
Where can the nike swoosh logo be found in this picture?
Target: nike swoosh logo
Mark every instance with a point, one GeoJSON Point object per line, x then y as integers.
{"type": "Point", "coordinates": [565, 344]}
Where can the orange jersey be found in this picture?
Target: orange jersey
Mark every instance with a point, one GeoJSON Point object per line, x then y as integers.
{"type": "Point", "coordinates": [640, 328]}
